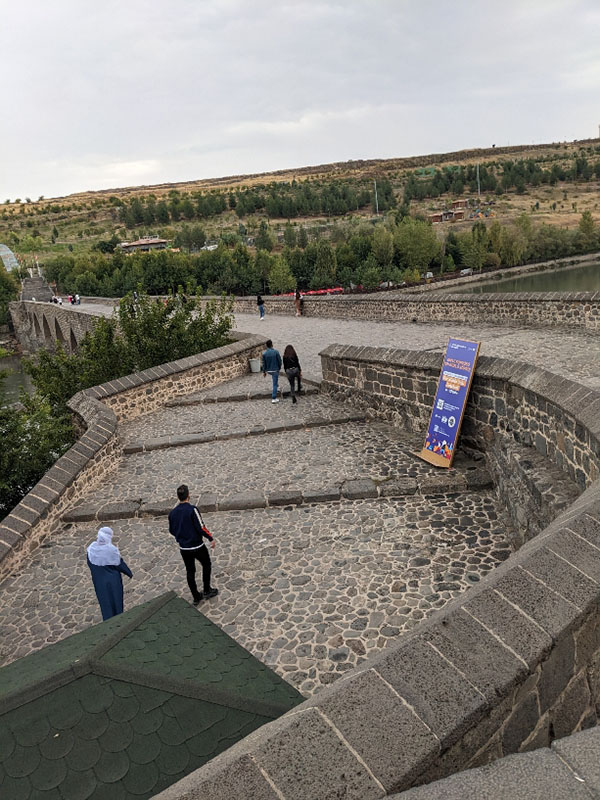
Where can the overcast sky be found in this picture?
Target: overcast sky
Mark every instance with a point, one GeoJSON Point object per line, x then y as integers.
{"type": "Point", "coordinates": [123, 92]}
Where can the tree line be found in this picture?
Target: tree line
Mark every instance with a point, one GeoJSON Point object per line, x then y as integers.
{"type": "Point", "coordinates": [400, 250]}
{"type": "Point", "coordinates": [498, 178]}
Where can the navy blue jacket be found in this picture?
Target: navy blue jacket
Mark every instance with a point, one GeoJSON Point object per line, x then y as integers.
{"type": "Point", "coordinates": [185, 524]}
{"type": "Point", "coordinates": [271, 360]}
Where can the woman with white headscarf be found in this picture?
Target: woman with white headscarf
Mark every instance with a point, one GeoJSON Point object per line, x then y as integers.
{"type": "Point", "coordinates": [106, 566]}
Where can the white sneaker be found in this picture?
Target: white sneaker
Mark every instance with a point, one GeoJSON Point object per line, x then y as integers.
{"type": "Point", "coordinates": [275, 401]}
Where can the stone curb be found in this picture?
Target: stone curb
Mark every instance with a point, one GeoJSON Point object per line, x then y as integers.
{"type": "Point", "coordinates": [363, 489]}
{"type": "Point", "coordinates": [231, 398]}
{"type": "Point", "coordinates": [161, 443]}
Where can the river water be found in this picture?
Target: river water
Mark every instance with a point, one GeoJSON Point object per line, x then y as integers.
{"type": "Point", "coordinates": [567, 279]}
{"type": "Point", "coordinates": [16, 379]}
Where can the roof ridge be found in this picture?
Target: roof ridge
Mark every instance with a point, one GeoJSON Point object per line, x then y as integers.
{"type": "Point", "coordinates": [154, 605]}
{"type": "Point", "coordinates": [83, 665]}
{"type": "Point", "coordinates": [197, 691]}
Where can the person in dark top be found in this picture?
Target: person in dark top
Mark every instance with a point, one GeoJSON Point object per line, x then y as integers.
{"type": "Point", "coordinates": [261, 306]}
{"type": "Point", "coordinates": [292, 368]}
{"type": "Point", "coordinates": [106, 566]}
{"type": "Point", "coordinates": [186, 525]}
{"type": "Point", "coordinates": [271, 364]}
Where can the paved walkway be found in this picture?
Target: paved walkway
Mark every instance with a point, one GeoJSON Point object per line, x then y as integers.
{"type": "Point", "coordinates": [572, 354]}
{"type": "Point", "coordinates": [311, 589]}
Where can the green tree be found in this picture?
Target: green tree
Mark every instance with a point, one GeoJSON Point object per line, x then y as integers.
{"type": "Point", "coordinates": [8, 292]}
{"type": "Point", "coordinates": [33, 437]}
{"type": "Point", "coordinates": [264, 240]}
{"type": "Point", "coordinates": [474, 246]}
{"type": "Point", "coordinates": [280, 277]}
{"type": "Point", "coordinates": [586, 225]}
{"type": "Point", "coordinates": [325, 267]}
{"type": "Point", "coordinates": [302, 237]}
{"type": "Point", "coordinates": [416, 244]}
{"type": "Point", "coordinates": [370, 273]}
{"type": "Point", "coordinates": [383, 248]}
{"type": "Point", "coordinates": [262, 267]}
{"type": "Point", "coordinates": [289, 236]}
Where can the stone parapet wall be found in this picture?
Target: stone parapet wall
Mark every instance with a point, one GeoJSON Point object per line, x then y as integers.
{"type": "Point", "coordinates": [571, 310]}
{"type": "Point", "coordinates": [556, 416]}
{"type": "Point", "coordinates": [505, 668]}
{"type": "Point", "coordinates": [98, 411]}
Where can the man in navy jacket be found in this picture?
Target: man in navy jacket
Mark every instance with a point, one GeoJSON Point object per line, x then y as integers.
{"type": "Point", "coordinates": [185, 524]}
{"type": "Point", "coordinates": [271, 363]}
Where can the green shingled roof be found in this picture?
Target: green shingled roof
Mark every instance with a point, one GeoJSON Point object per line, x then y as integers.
{"type": "Point", "coordinates": [130, 706]}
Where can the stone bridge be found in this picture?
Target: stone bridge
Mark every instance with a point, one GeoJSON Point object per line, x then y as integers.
{"type": "Point", "coordinates": [44, 325]}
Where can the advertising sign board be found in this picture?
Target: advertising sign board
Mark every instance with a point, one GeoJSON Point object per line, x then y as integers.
{"type": "Point", "coordinates": [450, 400]}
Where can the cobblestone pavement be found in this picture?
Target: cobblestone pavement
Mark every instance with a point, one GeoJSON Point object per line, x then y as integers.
{"type": "Point", "coordinates": [209, 418]}
{"type": "Point", "coordinates": [311, 591]}
{"type": "Point", "coordinates": [573, 354]}
{"type": "Point", "coordinates": [304, 460]}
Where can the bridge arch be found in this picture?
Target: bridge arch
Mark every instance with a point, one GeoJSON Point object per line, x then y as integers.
{"type": "Point", "coordinates": [37, 328]}
{"type": "Point", "coordinates": [46, 331]}
{"type": "Point", "coordinates": [58, 334]}
{"type": "Point", "coordinates": [72, 341]}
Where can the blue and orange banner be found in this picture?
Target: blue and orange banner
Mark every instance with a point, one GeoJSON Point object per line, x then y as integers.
{"type": "Point", "coordinates": [450, 401]}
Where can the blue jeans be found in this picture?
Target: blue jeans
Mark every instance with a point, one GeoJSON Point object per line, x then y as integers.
{"type": "Point", "coordinates": [275, 376]}
{"type": "Point", "coordinates": [261, 311]}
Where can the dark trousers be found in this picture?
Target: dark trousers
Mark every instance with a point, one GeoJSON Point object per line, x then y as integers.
{"type": "Point", "coordinates": [189, 559]}
{"type": "Point", "coordinates": [293, 375]}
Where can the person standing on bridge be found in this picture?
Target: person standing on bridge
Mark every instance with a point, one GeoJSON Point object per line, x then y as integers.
{"type": "Point", "coordinates": [189, 530]}
{"type": "Point", "coordinates": [271, 363]}
{"type": "Point", "coordinates": [106, 566]}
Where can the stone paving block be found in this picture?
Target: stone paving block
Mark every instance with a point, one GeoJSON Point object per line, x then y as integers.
{"type": "Point", "coordinates": [135, 447]}
{"type": "Point", "coordinates": [447, 705]}
{"type": "Point", "coordinates": [157, 508]}
{"type": "Point", "coordinates": [328, 495]}
{"type": "Point", "coordinates": [206, 502]}
{"type": "Point", "coordinates": [399, 487]}
{"type": "Point", "coordinates": [359, 490]}
{"type": "Point", "coordinates": [479, 478]}
{"type": "Point", "coordinates": [292, 497]}
{"type": "Point", "coordinates": [124, 510]}
{"type": "Point", "coordinates": [241, 502]}
{"type": "Point", "coordinates": [490, 667]}
{"type": "Point", "coordinates": [440, 484]}
{"type": "Point", "coordinates": [581, 751]}
{"type": "Point", "coordinates": [80, 514]}
{"type": "Point", "coordinates": [539, 775]}
{"type": "Point", "coordinates": [307, 760]}
{"type": "Point", "coordinates": [510, 625]}
{"type": "Point", "coordinates": [548, 609]}
{"type": "Point", "coordinates": [384, 731]}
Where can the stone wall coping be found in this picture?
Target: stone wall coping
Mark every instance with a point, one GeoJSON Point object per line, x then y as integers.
{"type": "Point", "coordinates": [518, 629]}
{"type": "Point", "coordinates": [567, 769]}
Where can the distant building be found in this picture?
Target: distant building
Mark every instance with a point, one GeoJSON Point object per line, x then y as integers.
{"type": "Point", "coordinates": [437, 217]}
{"type": "Point", "coordinates": [458, 214]}
{"type": "Point", "coordinates": [460, 204]}
{"type": "Point", "coordinates": [144, 244]}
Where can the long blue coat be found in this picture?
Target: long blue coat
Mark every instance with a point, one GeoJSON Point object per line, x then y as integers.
{"type": "Point", "coordinates": [109, 587]}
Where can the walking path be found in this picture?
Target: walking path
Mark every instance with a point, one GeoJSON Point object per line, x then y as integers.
{"type": "Point", "coordinates": [571, 353]}
{"type": "Point", "coordinates": [311, 588]}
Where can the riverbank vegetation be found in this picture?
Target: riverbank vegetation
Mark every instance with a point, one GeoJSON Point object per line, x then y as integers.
{"type": "Point", "coordinates": [399, 249]}
{"type": "Point", "coordinates": [38, 430]}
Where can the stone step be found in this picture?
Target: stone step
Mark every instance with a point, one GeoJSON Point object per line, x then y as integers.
{"type": "Point", "coordinates": [239, 397]}
{"type": "Point", "coordinates": [363, 489]}
{"type": "Point", "coordinates": [201, 437]}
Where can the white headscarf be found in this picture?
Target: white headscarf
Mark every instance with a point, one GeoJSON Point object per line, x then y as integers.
{"type": "Point", "coordinates": [102, 552]}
